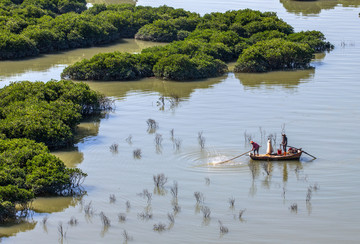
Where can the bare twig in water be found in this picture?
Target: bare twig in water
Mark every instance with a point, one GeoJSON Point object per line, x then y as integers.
{"type": "Point", "coordinates": [201, 140]}
{"type": "Point", "coordinates": [112, 198]}
{"type": "Point", "coordinates": [160, 180]}
{"type": "Point", "coordinates": [284, 192]}
{"type": "Point", "coordinates": [145, 215]}
{"type": "Point", "coordinates": [241, 212]}
{"type": "Point", "coordinates": [315, 187]}
{"type": "Point", "coordinates": [158, 139]}
{"type": "Point", "coordinates": [283, 128]}
{"type": "Point", "coordinates": [61, 231]}
{"type": "Point", "coordinates": [105, 220]}
{"type": "Point", "coordinates": [177, 143]}
{"type": "Point", "coordinates": [175, 190]}
{"type": "Point", "coordinates": [137, 153]}
{"type": "Point", "coordinates": [114, 148]}
{"type": "Point", "coordinates": [159, 227]}
{"type": "Point", "coordinates": [172, 134]}
{"type": "Point", "coordinates": [129, 139]}
{"type": "Point", "coordinates": [247, 138]}
{"type": "Point", "coordinates": [174, 101]}
{"type": "Point", "coordinates": [199, 197]}
{"type": "Point", "coordinates": [146, 194]}
{"type": "Point", "coordinates": [176, 208]}
{"type": "Point", "coordinates": [223, 229]}
{"type": "Point", "coordinates": [73, 221]}
{"type": "Point", "coordinates": [44, 220]}
{"type": "Point", "coordinates": [152, 125]}
{"type": "Point", "coordinates": [122, 217]}
{"type": "Point", "coordinates": [207, 180]}
{"type": "Point", "coordinates": [126, 236]}
{"type": "Point", "coordinates": [309, 195]}
{"type": "Point", "coordinates": [206, 212]}
{"type": "Point", "coordinates": [171, 218]}
{"type": "Point", "coordinates": [294, 207]}
{"type": "Point", "coordinates": [88, 208]}
{"type": "Point", "coordinates": [232, 201]}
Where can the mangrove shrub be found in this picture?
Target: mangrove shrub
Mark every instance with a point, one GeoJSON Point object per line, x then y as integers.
{"type": "Point", "coordinates": [46, 112]}
{"type": "Point", "coordinates": [274, 54]}
{"type": "Point", "coordinates": [27, 170]}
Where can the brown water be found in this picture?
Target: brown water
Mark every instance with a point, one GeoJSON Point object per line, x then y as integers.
{"type": "Point", "coordinates": [319, 108]}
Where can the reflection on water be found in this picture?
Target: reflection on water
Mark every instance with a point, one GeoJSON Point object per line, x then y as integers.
{"type": "Point", "coordinates": [13, 68]}
{"type": "Point", "coordinates": [54, 204]}
{"type": "Point", "coordinates": [285, 79]}
{"type": "Point", "coordinates": [71, 157]}
{"type": "Point", "coordinates": [88, 128]}
{"type": "Point", "coordinates": [315, 7]}
{"type": "Point", "coordinates": [149, 85]}
{"type": "Point", "coordinates": [13, 229]}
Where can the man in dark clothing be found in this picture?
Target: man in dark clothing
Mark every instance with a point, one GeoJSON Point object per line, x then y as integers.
{"type": "Point", "coordinates": [284, 142]}
{"type": "Point", "coordinates": [255, 147]}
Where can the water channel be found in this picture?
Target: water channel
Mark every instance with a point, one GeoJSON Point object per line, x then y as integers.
{"type": "Point", "coordinates": [318, 108]}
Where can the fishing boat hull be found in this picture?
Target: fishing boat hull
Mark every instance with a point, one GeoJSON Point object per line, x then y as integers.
{"type": "Point", "coordinates": [276, 157]}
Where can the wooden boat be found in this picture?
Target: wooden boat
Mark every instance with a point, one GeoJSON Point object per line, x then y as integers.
{"type": "Point", "coordinates": [276, 157]}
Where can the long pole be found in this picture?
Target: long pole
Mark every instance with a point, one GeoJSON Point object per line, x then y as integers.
{"type": "Point", "coordinates": [233, 158]}
{"type": "Point", "coordinates": [305, 152]}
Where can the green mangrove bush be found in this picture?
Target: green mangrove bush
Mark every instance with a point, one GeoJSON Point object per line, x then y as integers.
{"type": "Point", "coordinates": [29, 27]}
{"type": "Point", "coordinates": [274, 54]}
{"type": "Point", "coordinates": [27, 170]}
{"type": "Point", "coordinates": [47, 112]}
{"type": "Point", "coordinates": [200, 45]}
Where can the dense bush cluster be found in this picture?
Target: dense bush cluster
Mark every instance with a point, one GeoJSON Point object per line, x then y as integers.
{"type": "Point", "coordinates": [46, 112]}
{"type": "Point", "coordinates": [274, 54]}
{"type": "Point", "coordinates": [200, 46]}
{"type": "Point", "coordinates": [30, 27]}
{"type": "Point", "coordinates": [27, 169]}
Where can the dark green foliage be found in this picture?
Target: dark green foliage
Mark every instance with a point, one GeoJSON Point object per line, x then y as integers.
{"type": "Point", "coordinates": [16, 46]}
{"type": "Point", "coordinates": [42, 26]}
{"type": "Point", "coordinates": [167, 30]}
{"type": "Point", "coordinates": [214, 37]}
{"type": "Point", "coordinates": [38, 27]}
{"type": "Point", "coordinates": [112, 66]}
{"type": "Point", "coordinates": [182, 67]}
{"type": "Point", "coordinates": [315, 39]}
{"type": "Point", "coordinates": [27, 169]}
{"type": "Point", "coordinates": [274, 54]}
{"type": "Point", "coordinates": [266, 35]}
{"type": "Point", "coordinates": [46, 112]}
{"type": "Point", "coordinates": [267, 24]}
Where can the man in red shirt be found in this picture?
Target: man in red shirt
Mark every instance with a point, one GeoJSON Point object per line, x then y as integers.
{"type": "Point", "coordinates": [255, 147]}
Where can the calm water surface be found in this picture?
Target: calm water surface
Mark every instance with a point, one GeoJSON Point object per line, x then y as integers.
{"type": "Point", "coordinates": [319, 108]}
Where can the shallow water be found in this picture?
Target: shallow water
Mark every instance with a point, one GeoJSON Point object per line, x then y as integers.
{"type": "Point", "coordinates": [319, 108]}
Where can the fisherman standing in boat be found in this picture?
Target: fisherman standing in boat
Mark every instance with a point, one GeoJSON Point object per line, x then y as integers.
{"type": "Point", "coordinates": [255, 147]}
{"type": "Point", "coordinates": [284, 142]}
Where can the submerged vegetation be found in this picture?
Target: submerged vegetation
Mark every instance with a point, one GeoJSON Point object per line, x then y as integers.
{"type": "Point", "coordinates": [201, 46]}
